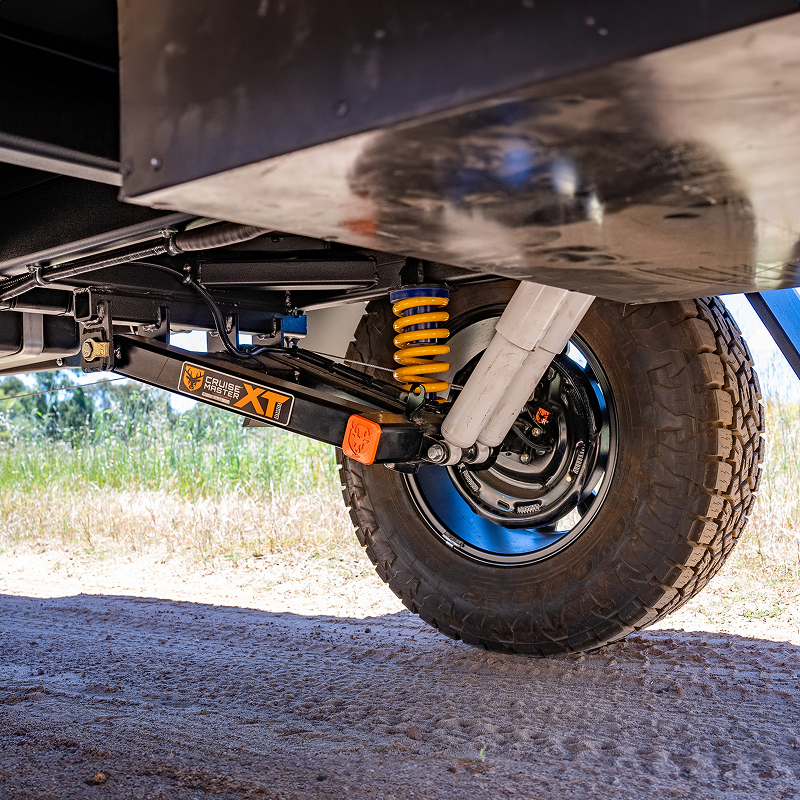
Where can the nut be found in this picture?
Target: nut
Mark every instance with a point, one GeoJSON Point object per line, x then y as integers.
{"type": "Point", "coordinates": [436, 453]}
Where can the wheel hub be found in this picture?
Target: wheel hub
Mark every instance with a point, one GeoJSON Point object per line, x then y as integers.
{"type": "Point", "coordinates": [546, 459]}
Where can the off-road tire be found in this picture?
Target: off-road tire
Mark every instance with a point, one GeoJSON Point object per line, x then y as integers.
{"type": "Point", "coordinates": [690, 422]}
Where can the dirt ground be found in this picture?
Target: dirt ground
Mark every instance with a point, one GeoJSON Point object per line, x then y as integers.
{"type": "Point", "coordinates": [152, 678]}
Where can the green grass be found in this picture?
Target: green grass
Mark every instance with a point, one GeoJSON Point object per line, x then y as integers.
{"type": "Point", "coordinates": [116, 470]}
{"type": "Point", "coordinates": [254, 461]}
{"type": "Point", "coordinates": [131, 439]}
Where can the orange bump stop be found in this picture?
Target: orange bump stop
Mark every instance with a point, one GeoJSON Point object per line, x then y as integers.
{"type": "Point", "coordinates": [361, 439]}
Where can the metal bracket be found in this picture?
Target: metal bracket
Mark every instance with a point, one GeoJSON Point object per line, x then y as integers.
{"type": "Point", "coordinates": [97, 348]}
{"type": "Point", "coordinates": [158, 331]}
{"type": "Point", "coordinates": [415, 401]}
{"type": "Point", "coordinates": [214, 340]}
{"type": "Point", "coordinates": [293, 328]}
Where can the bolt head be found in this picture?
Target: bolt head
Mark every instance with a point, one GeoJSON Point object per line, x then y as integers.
{"type": "Point", "coordinates": [86, 349]}
{"type": "Point", "coordinates": [525, 458]}
{"type": "Point", "coordinates": [436, 453]}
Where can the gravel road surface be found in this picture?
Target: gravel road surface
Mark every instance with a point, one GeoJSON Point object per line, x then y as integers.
{"type": "Point", "coordinates": [111, 694]}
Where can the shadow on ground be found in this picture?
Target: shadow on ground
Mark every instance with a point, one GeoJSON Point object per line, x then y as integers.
{"type": "Point", "coordinates": [127, 697]}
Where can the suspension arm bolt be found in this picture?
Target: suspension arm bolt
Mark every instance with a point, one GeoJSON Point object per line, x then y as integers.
{"type": "Point", "coordinates": [436, 453]}
{"type": "Point", "coordinates": [92, 349]}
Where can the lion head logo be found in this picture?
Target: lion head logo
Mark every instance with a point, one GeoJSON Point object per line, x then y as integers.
{"type": "Point", "coordinates": [193, 377]}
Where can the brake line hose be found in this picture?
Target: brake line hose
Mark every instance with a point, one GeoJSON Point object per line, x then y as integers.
{"type": "Point", "coordinates": [198, 239]}
{"type": "Point", "coordinates": [208, 238]}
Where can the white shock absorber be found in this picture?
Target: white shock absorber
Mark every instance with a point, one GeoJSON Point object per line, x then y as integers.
{"type": "Point", "coordinates": [534, 328]}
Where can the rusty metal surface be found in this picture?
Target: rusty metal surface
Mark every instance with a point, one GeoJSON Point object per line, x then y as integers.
{"type": "Point", "coordinates": [675, 174]}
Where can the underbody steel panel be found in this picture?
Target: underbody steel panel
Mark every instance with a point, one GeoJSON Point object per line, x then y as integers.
{"type": "Point", "coordinates": [672, 174]}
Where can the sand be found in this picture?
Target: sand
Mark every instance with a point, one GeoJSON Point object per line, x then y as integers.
{"type": "Point", "coordinates": [153, 677]}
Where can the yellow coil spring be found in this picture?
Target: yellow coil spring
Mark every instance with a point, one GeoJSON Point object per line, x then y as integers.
{"type": "Point", "coordinates": [416, 365]}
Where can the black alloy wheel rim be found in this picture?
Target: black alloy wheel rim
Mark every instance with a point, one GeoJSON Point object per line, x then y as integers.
{"type": "Point", "coordinates": [549, 481]}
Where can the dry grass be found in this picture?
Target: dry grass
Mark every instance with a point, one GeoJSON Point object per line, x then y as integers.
{"type": "Point", "coordinates": [770, 545]}
{"type": "Point", "coordinates": [234, 527]}
{"type": "Point", "coordinates": [295, 547]}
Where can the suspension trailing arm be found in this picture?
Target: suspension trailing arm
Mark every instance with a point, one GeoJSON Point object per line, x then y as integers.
{"type": "Point", "coordinates": [366, 433]}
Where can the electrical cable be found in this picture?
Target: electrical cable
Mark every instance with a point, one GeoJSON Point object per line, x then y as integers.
{"type": "Point", "coordinates": [282, 351]}
{"type": "Point", "coordinates": [539, 448]}
{"type": "Point", "coordinates": [352, 361]}
{"type": "Point", "coordinates": [62, 389]}
{"type": "Point", "coordinates": [216, 312]}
